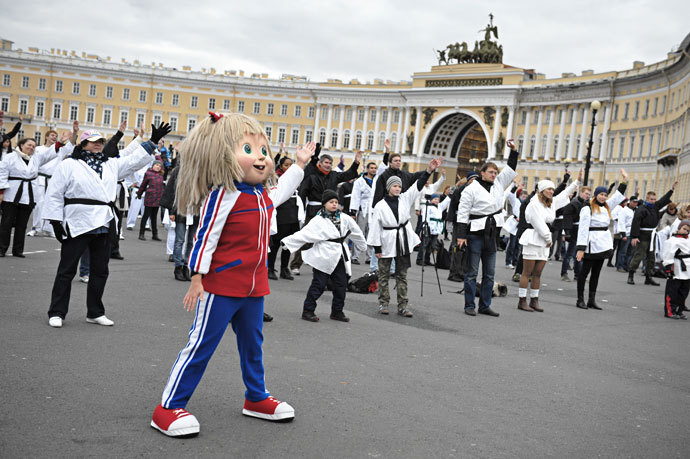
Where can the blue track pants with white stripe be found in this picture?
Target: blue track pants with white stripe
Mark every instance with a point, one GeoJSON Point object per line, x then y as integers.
{"type": "Point", "coordinates": [213, 315]}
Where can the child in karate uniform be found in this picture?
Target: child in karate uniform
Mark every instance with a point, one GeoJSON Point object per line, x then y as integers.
{"type": "Point", "coordinates": [676, 257]}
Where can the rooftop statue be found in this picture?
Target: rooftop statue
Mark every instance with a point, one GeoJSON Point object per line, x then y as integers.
{"type": "Point", "coordinates": [485, 51]}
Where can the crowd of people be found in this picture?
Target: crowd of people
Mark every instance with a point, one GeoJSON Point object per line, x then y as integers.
{"type": "Point", "coordinates": [224, 239]}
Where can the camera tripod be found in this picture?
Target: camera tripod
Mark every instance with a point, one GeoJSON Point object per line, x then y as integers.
{"type": "Point", "coordinates": [426, 233]}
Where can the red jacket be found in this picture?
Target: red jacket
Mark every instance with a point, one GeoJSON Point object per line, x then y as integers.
{"type": "Point", "coordinates": [153, 186]}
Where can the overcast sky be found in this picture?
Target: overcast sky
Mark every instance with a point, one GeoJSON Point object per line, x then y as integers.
{"type": "Point", "coordinates": [351, 39]}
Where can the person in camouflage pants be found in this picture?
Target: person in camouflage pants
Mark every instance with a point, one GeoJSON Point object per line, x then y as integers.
{"type": "Point", "coordinates": [400, 284]}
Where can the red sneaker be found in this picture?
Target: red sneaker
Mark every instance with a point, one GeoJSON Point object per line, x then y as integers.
{"type": "Point", "coordinates": [269, 409]}
{"type": "Point", "coordinates": [175, 423]}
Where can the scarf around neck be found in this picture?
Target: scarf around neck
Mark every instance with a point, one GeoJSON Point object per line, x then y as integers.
{"type": "Point", "coordinates": [22, 155]}
{"type": "Point", "coordinates": [334, 217]}
{"type": "Point", "coordinates": [95, 161]}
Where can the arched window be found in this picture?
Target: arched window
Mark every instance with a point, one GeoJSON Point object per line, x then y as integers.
{"type": "Point", "coordinates": [532, 144]}
{"type": "Point", "coordinates": [566, 146]}
{"type": "Point", "coordinates": [322, 137]}
{"type": "Point", "coordinates": [555, 146]}
{"type": "Point", "coordinates": [382, 140]}
{"type": "Point", "coordinates": [521, 142]}
{"type": "Point", "coordinates": [577, 146]}
{"type": "Point", "coordinates": [370, 141]}
{"type": "Point", "coordinates": [358, 141]}
{"type": "Point", "coordinates": [394, 141]}
{"type": "Point", "coordinates": [601, 146]}
{"type": "Point", "coordinates": [346, 140]}
{"type": "Point", "coordinates": [334, 138]}
{"type": "Point", "coordinates": [542, 150]}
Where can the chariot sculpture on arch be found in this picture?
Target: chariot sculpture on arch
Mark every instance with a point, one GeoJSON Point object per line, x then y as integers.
{"type": "Point", "coordinates": [486, 51]}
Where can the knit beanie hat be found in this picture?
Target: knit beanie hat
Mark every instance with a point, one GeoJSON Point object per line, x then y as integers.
{"type": "Point", "coordinates": [684, 223]}
{"type": "Point", "coordinates": [434, 196]}
{"type": "Point", "coordinates": [328, 195]}
{"type": "Point", "coordinates": [160, 163]}
{"type": "Point", "coordinates": [471, 174]}
{"type": "Point", "coordinates": [600, 189]}
{"type": "Point", "coordinates": [545, 185]}
{"type": "Point", "coordinates": [394, 180]}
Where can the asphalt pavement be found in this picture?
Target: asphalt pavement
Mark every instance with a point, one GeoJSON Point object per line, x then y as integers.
{"type": "Point", "coordinates": [565, 383]}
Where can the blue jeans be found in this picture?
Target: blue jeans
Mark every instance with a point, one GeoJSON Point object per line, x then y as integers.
{"type": "Point", "coordinates": [571, 252]}
{"type": "Point", "coordinates": [512, 250]}
{"type": "Point", "coordinates": [180, 233]}
{"type": "Point", "coordinates": [475, 247]}
{"type": "Point", "coordinates": [625, 252]}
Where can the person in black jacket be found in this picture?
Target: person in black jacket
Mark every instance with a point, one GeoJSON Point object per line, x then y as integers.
{"type": "Point", "coordinates": [457, 272]}
{"type": "Point", "coordinates": [182, 230]}
{"type": "Point", "coordinates": [642, 233]}
{"type": "Point", "coordinates": [394, 169]}
{"type": "Point", "coordinates": [287, 218]}
{"type": "Point", "coordinates": [571, 221]}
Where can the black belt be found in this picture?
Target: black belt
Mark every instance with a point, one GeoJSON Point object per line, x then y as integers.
{"type": "Point", "coordinates": [489, 229]}
{"type": "Point", "coordinates": [598, 228]}
{"type": "Point", "coordinates": [20, 191]}
{"type": "Point", "coordinates": [47, 177]}
{"type": "Point", "coordinates": [112, 229]}
{"type": "Point", "coordinates": [340, 241]}
{"type": "Point", "coordinates": [529, 226]}
{"type": "Point", "coordinates": [400, 250]}
{"type": "Point", "coordinates": [681, 256]}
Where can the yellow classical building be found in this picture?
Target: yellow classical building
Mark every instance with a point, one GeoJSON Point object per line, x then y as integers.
{"type": "Point", "coordinates": [460, 111]}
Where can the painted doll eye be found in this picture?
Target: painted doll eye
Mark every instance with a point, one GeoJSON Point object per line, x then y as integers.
{"type": "Point", "coordinates": [264, 151]}
{"type": "Point", "coordinates": [247, 149]}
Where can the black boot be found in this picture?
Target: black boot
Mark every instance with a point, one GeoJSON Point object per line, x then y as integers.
{"type": "Point", "coordinates": [187, 275]}
{"type": "Point", "coordinates": [272, 274]}
{"type": "Point", "coordinates": [286, 274]}
{"type": "Point", "coordinates": [581, 301]}
{"type": "Point", "coordinates": [648, 280]}
{"type": "Point", "coordinates": [591, 303]}
{"type": "Point", "coordinates": [631, 277]}
{"type": "Point", "coordinates": [141, 237]}
{"type": "Point", "coordinates": [179, 275]}
{"type": "Point", "coordinates": [268, 317]}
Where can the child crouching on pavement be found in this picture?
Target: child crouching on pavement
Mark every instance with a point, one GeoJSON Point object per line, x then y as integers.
{"type": "Point", "coordinates": [324, 244]}
{"type": "Point", "coordinates": [676, 252]}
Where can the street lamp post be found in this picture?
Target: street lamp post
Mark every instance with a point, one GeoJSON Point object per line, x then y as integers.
{"type": "Point", "coordinates": [595, 105]}
{"type": "Point", "coordinates": [474, 162]}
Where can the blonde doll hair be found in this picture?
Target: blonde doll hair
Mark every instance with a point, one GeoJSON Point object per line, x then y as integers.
{"type": "Point", "coordinates": [207, 158]}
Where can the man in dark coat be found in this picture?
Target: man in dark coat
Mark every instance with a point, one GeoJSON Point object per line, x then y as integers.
{"type": "Point", "coordinates": [571, 222]}
{"type": "Point", "coordinates": [643, 229]}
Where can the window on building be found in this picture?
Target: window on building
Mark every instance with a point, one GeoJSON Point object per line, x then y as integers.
{"type": "Point", "coordinates": [663, 105]}
{"type": "Point", "coordinates": [157, 120]}
{"type": "Point", "coordinates": [646, 108]}
{"type": "Point", "coordinates": [125, 94]}
{"type": "Point", "coordinates": [615, 113]}
{"type": "Point", "coordinates": [542, 149]}
{"type": "Point", "coordinates": [298, 111]}
{"type": "Point", "coordinates": [396, 116]}
{"type": "Point", "coordinates": [358, 140]}
{"type": "Point", "coordinates": [41, 84]}
{"type": "Point", "coordinates": [194, 103]}
{"type": "Point", "coordinates": [382, 140]}
{"type": "Point", "coordinates": [384, 116]}
{"type": "Point", "coordinates": [23, 106]}
{"type": "Point", "coordinates": [308, 136]}
{"type": "Point", "coordinates": [269, 132]}
{"type": "Point", "coordinates": [523, 117]}
{"type": "Point", "coordinates": [175, 101]}
{"type": "Point", "coordinates": [578, 142]}
{"type": "Point", "coordinates": [322, 136]}
{"type": "Point", "coordinates": [334, 138]}
{"type": "Point", "coordinates": [90, 115]}
{"type": "Point", "coordinates": [394, 141]}
{"type": "Point", "coordinates": [226, 105]}
{"type": "Point", "coordinates": [141, 119]}
{"type": "Point", "coordinates": [159, 98]}
{"type": "Point", "coordinates": [107, 114]}
{"type": "Point", "coordinates": [532, 145]}
{"type": "Point", "coordinates": [191, 122]}
{"type": "Point", "coordinates": [651, 145]}
{"type": "Point", "coordinates": [636, 112]}
{"type": "Point", "coordinates": [281, 134]}
{"type": "Point", "coordinates": [547, 117]}
{"type": "Point", "coordinates": [555, 146]}
{"type": "Point", "coordinates": [360, 115]}
{"type": "Point", "coordinates": [370, 141]}
{"type": "Point", "coordinates": [58, 85]}
{"type": "Point", "coordinates": [142, 96]}
{"type": "Point", "coordinates": [571, 114]}
{"type": "Point", "coordinates": [92, 90]}
{"type": "Point", "coordinates": [75, 87]}
{"type": "Point", "coordinates": [621, 146]}
{"type": "Point", "coordinates": [269, 109]}
{"type": "Point", "coordinates": [37, 137]}
{"type": "Point", "coordinates": [211, 103]}
{"type": "Point", "coordinates": [566, 145]}
{"type": "Point", "coordinates": [346, 139]}
{"type": "Point", "coordinates": [240, 106]}
{"type": "Point", "coordinates": [641, 150]}
{"type": "Point", "coordinates": [57, 111]}
{"type": "Point", "coordinates": [632, 147]}
{"type": "Point", "coordinates": [108, 92]}
{"type": "Point", "coordinates": [173, 123]}
{"type": "Point", "coordinates": [610, 149]}
{"type": "Point", "coordinates": [310, 112]}
{"type": "Point", "coordinates": [40, 109]}
{"type": "Point", "coordinates": [257, 108]}
{"type": "Point", "coordinates": [295, 137]}
{"type": "Point", "coordinates": [559, 116]}
{"type": "Point", "coordinates": [124, 116]}
{"type": "Point", "coordinates": [336, 114]}
{"type": "Point", "coordinates": [324, 113]}
{"type": "Point", "coordinates": [656, 106]}
{"type": "Point", "coordinates": [25, 82]}
{"type": "Point", "coordinates": [283, 110]}
{"type": "Point", "coordinates": [372, 115]}
{"type": "Point", "coordinates": [521, 143]}
{"type": "Point", "coordinates": [6, 79]}
{"type": "Point", "coordinates": [73, 113]}
{"type": "Point", "coordinates": [626, 109]}
{"type": "Point", "coordinates": [673, 96]}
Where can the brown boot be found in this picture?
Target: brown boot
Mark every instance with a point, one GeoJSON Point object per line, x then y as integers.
{"type": "Point", "coordinates": [522, 305]}
{"type": "Point", "coordinates": [534, 304]}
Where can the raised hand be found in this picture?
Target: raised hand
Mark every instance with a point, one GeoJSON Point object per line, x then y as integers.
{"type": "Point", "coordinates": [434, 164]}
{"type": "Point", "coordinates": [304, 154]}
{"type": "Point", "coordinates": [21, 117]}
{"type": "Point", "coordinates": [123, 126]}
{"type": "Point", "coordinates": [358, 157]}
{"type": "Point", "coordinates": [75, 132]}
{"type": "Point", "coordinates": [136, 132]}
{"type": "Point", "coordinates": [675, 184]}
{"type": "Point", "coordinates": [387, 145]}
{"type": "Point", "coordinates": [624, 174]}
{"type": "Point", "coordinates": [579, 176]}
{"type": "Point", "coordinates": [157, 133]}
{"type": "Point", "coordinates": [511, 143]}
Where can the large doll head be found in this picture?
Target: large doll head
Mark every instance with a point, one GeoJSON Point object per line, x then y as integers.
{"type": "Point", "coordinates": [220, 150]}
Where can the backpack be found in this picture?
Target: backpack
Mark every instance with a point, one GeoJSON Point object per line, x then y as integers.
{"type": "Point", "coordinates": [367, 283]}
{"type": "Point", "coordinates": [442, 258]}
